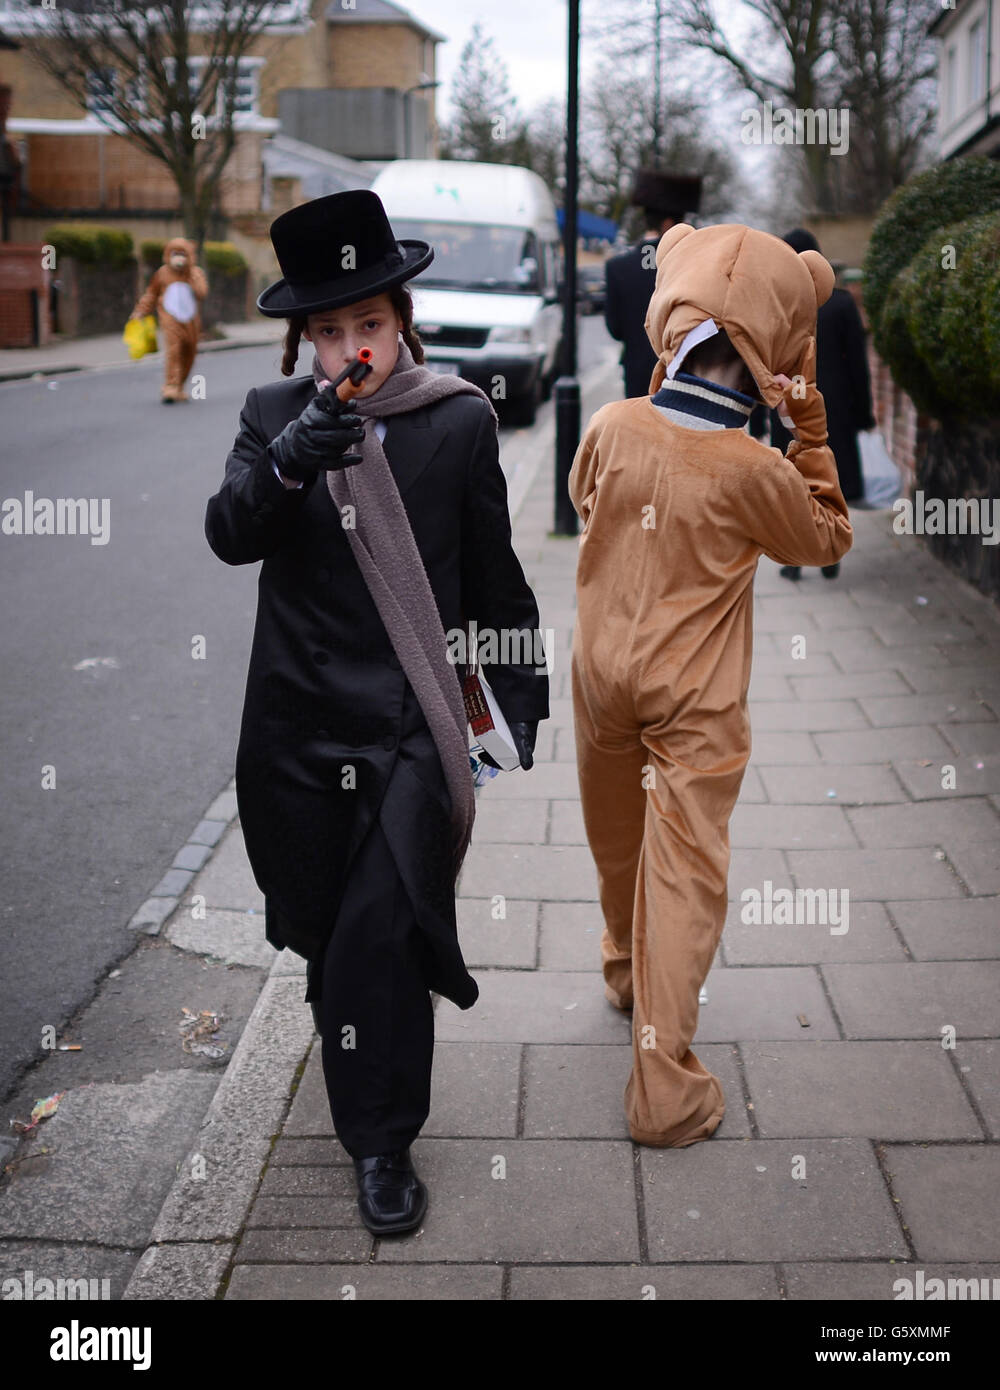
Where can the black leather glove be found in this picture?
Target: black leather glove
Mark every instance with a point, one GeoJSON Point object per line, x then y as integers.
{"type": "Point", "coordinates": [317, 440]}
{"type": "Point", "coordinates": [524, 735]}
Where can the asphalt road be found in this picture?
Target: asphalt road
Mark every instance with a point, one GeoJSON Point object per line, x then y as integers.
{"type": "Point", "coordinates": [99, 683]}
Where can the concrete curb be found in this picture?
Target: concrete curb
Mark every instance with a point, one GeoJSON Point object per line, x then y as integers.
{"type": "Point", "coordinates": [59, 369]}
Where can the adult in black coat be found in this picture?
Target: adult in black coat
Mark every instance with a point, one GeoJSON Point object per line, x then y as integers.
{"type": "Point", "coordinates": [630, 277]}
{"type": "Point", "coordinates": [844, 382]}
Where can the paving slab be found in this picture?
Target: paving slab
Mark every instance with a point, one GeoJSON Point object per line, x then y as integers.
{"type": "Point", "coordinates": [475, 1089]}
{"type": "Point", "coordinates": [60, 1192]}
{"type": "Point", "coordinates": [964, 820]}
{"type": "Point", "coordinates": [978, 864]}
{"type": "Point", "coordinates": [947, 1195]}
{"type": "Point", "coordinates": [680, 1283]}
{"type": "Point", "coordinates": [265, 1246]}
{"type": "Point", "coordinates": [923, 778]}
{"type": "Point", "coordinates": [855, 685]}
{"type": "Point", "coordinates": [560, 1200]}
{"type": "Point", "coordinates": [89, 1272]}
{"type": "Point", "coordinates": [510, 940]}
{"type": "Point", "coordinates": [917, 999]}
{"type": "Point", "coordinates": [846, 784]}
{"type": "Point", "coordinates": [782, 749]}
{"type": "Point", "coordinates": [512, 820]}
{"type": "Point", "coordinates": [227, 880]}
{"type": "Point", "coordinates": [959, 929]}
{"type": "Point", "coordinates": [570, 936]}
{"type": "Point", "coordinates": [883, 745]}
{"type": "Point", "coordinates": [294, 1282]}
{"type": "Point", "coordinates": [869, 937]}
{"type": "Point", "coordinates": [234, 937]}
{"type": "Point", "coordinates": [578, 1092]}
{"type": "Point", "coordinates": [762, 1002]}
{"type": "Point", "coordinates": [891, 1280]}
{"type": "Point", "coordinates": [875, 875]}
{"type": "Point", "coordinates": [791, 827]}
{"type": "Point", "coordinates": [979, 1065]}
{"type": "Point", "coordinates": [807, 716]}
{"type": "Point", "coordinates": [288, 1213]}
{"type": "Point", "coordinates": [877, 1090]}
{"type": "Point", "coordinates": [545, 1006]}
{"type": "Point", "coordinates": [529, 871]}
{"type": "Point", "coordinates": [943, 707]}
{"type": "Point", "coordinates": [737, 1200]}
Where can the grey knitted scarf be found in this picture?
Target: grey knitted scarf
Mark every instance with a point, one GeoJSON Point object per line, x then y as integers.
{"type": "Point", "coordinates": [390, 563]}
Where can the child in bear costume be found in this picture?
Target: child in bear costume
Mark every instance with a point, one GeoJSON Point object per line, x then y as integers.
{"type": "Point", "coordinates": [175, 292]}
{"type": "Point", "coordinates": [678, 503]}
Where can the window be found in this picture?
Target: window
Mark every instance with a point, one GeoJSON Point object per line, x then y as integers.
{"type": "Point", "coordinates": [950, 95]}
{"type": "Point", "coordinates": [977, 61]}
{"type": "Point", "coordinates": [245, 93]}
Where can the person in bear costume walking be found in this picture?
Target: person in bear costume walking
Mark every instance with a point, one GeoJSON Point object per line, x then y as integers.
{"type": "Point", "coordinates": [678, 503]}
{"type": "Point", "coordinates": [175, 293]}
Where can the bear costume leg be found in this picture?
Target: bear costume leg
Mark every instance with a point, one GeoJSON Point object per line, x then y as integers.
{"type": "Point", "coordinates": [662, 856]}
{"type": "Point", "coordinates": [180, 342]}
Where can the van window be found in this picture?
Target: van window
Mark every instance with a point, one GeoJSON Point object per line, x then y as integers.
{"type": "Point", "coordinates": [476, 256]}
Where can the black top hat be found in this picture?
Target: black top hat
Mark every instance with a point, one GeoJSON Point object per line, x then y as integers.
{"type": "Point", "coordinates": [670, 194]}
{"type": "Point", "coordinates": [335, 251]}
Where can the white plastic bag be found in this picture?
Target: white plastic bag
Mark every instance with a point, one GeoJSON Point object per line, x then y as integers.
{"type": "Point", "coordinates": [880, 474]}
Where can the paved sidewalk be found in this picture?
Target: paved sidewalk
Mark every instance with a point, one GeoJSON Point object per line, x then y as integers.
{"type": "Point", "coordinates": [108, 350]}
{"type": "Point", "coordinates": [857, 1146]}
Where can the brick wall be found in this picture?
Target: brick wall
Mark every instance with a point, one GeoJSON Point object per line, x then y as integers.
{"type": "Point", "coordinates": [21, 272]}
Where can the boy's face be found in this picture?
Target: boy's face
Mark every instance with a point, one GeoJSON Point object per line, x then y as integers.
{"type": "Point", "coordinates": [336, 334]}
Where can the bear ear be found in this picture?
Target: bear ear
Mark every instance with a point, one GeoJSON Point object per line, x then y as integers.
{"type": "Point", "coordinates": [822, 274]}
{"type": "Point", "coordinates": [670, 238]}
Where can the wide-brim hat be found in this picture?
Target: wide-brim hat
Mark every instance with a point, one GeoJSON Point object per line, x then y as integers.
{"type": "Point", "coordinates": [672, 194]}
{"type": "Point", "coordinates": [336, 250]}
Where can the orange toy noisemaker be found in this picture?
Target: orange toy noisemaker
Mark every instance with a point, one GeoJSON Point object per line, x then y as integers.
{"type": "Point", "coordinates": [348, 385]}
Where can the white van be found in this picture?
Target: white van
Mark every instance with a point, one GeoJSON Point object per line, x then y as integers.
{"type": "Point", "coordinates": [487, 308]}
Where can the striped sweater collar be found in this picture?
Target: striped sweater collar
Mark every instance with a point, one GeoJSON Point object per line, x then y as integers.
{"type": "Point", "coordinates": [702, 405]}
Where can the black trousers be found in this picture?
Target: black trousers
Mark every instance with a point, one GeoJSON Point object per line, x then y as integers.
{"type": "Point", "coordinates": [375, 1015]}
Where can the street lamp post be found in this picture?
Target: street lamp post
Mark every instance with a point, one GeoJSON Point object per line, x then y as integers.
{"type": "Point", "coordinates": [567, 388]}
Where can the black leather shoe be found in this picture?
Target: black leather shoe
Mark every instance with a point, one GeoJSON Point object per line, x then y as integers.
{"type": "Point", "coordinates": [791, 571]}
{"type": "Point", "coordinates": [391, 1198]}
{"type": "Point", "coordinates": [831, 571]}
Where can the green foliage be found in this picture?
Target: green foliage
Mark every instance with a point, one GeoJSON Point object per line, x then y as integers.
{"type": "Point", "coordinates": [90, 245]}
{"type": "Point", "coordinates": [223, 256]}
{"type": "Point", "coordinates": [151, 252]}
{"type": "Point", "coordinates": [948, 193]}
{"type": "Point", "coordinates": [947, 311]}
{"type": "Point", "coordinates": [935, 311]}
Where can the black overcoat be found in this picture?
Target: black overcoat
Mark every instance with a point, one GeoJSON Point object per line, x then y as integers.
{"type": "Point", "coordinates": [320, 741]}
{"type": "Point", "coordinates": [629, 286]}
{"type": "Point", "coordinates": [844, 382]}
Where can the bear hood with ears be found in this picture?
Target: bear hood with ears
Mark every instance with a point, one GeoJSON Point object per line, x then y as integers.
{"type": "Point", "coordinates": [752, 284]}
{"type": "Point", "coordinates": [179, 243]}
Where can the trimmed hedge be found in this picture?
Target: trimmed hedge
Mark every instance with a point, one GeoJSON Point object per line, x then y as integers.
{"type": "Point", "coordinates": [940, 196]}
{"type": "Point", "coordinates": [90, 245]}
{"type": "Point", "coordinates": [938, 328]}
{"type": "Point", "coordinates": [219, 256]}
{"type": "Point", "coordinates": [950, 317]}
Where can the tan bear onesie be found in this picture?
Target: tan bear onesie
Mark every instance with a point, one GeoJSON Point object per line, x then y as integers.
{"type": "Point", "coordinates": [674, 522]}
{"type": "Point", "coordinates": [176, 297]}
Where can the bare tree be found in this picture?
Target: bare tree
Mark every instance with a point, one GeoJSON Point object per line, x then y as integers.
{"type": "Point", "coordinates": [162, 74]}
{"type": "Point", "coordinates": [872, 57]}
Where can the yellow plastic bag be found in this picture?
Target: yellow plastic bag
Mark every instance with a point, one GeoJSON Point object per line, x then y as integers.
{"type": "Point", "coordinates": [140, 336]}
